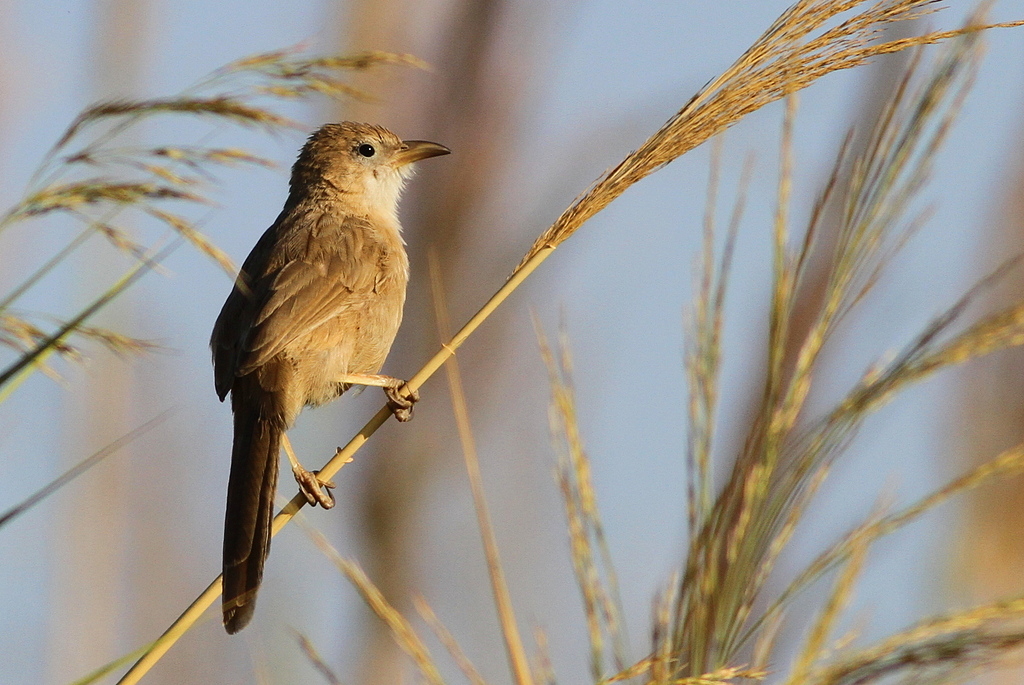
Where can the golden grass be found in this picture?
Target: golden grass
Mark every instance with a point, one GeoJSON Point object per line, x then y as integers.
{"type": "Point", "coordinates": [741, 535]}
{"type": "Point", "coordinates": [798, 49]}
{"type": "Point", "coordinates": [708, 619]}
{"type": "Point", "coordinates": [703, 351]}
{"type": "Point", "coordinates": [595, 574]}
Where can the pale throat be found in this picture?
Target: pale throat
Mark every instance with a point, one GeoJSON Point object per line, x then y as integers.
{"type": "Point", "coordinates": [382, 189]}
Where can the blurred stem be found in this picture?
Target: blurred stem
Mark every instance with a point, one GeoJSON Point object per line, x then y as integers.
{"type": "Point", "coordinates": [513, 642]}
{"type": "Point", "coordinates": [401, 630]}
{"type": "Point", "coordinates": [80, 468]}
{"type": "Point", "coordinates": [15, 374]}
{"type": "Point", "coordinates": [46, 268]}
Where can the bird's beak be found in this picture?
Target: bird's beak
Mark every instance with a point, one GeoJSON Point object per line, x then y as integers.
{"type": "Point", "coordinates": [415, 150]}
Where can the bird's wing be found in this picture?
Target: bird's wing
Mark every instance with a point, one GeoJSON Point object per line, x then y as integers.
{"type": "Point", "coordinates": [236, 316]}
{"type": "Point", "coordinates": [328, 270]}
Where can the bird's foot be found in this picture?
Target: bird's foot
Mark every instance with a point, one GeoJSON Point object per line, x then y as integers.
{"type": "Point", "coordinates": [401, 404]}
{"type": "Point", "coordinates": [316, 490]}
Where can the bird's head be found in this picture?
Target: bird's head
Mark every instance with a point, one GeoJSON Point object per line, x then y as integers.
{"type": "Point", "coordinates": [361, 162]}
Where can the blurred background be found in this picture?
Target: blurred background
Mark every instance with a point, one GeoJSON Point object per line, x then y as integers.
{"type": "Point", "coordinates": [535, 99]}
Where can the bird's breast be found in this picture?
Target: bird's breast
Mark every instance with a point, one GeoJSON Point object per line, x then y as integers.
{"type": "Point", "coordinates": [358, 338]}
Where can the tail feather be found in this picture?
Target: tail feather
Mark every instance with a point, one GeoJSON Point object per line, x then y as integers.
{"type": "Point", "coordinates": [250, 509]}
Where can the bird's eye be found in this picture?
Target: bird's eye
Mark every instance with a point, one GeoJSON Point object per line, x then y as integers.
{"type": "Point", "coordinates": [366, 150]}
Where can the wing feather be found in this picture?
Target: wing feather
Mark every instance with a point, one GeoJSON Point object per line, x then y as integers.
{"type": "Point", "coordinates": [309, 283]}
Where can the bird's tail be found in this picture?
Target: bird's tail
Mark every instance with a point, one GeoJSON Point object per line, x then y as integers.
{"type": "Point", "coordinates": [250, 509]}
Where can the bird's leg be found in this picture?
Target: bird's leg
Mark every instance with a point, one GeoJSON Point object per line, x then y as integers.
{"type": "Point", "coordinates": [400, 403]}
{"type": "Point", "coordinates": [316, 491]}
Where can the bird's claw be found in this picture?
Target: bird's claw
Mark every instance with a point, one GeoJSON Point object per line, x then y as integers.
{"type": "Point", "coordinates": [401, 404]}
{"type": "Point", "coordinates": [314, 489]}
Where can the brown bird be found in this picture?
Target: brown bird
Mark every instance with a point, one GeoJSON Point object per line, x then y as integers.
{"type": "Point", "coordinates": [314, 311]}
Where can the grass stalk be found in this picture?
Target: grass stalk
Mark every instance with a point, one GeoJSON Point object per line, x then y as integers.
{"type": "Point", "coordinates": [499, 587]}
{"type": "Point", "coordinates": [960, 641]}
{"type": "Point", "coordinates": [448, 640]}
{"type": "Point", "coordinates": [401, 629]}
{"type": "Point", "coordinates": [595, 573]}
{"type": "Point", "coordinates": [16, 373]}
{"type": "Point", "coordinates": [311, 653]}
{"type": "Point", "coordinates": [81, 467]}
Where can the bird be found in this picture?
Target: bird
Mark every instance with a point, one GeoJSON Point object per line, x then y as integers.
{"type": "Point", "coordinates": [314, 311]}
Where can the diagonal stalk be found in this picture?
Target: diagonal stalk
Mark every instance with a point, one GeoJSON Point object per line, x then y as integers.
{"type": "Point", "coordinates": [342, 457]}
{"type": "Point", "coordinates": [12, 376]}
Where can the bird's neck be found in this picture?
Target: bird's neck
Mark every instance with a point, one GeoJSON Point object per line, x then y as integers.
{"type": "Point", "coordinates": [374, 196]}
{"type": "Point", "coordinates": [328, 198]}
